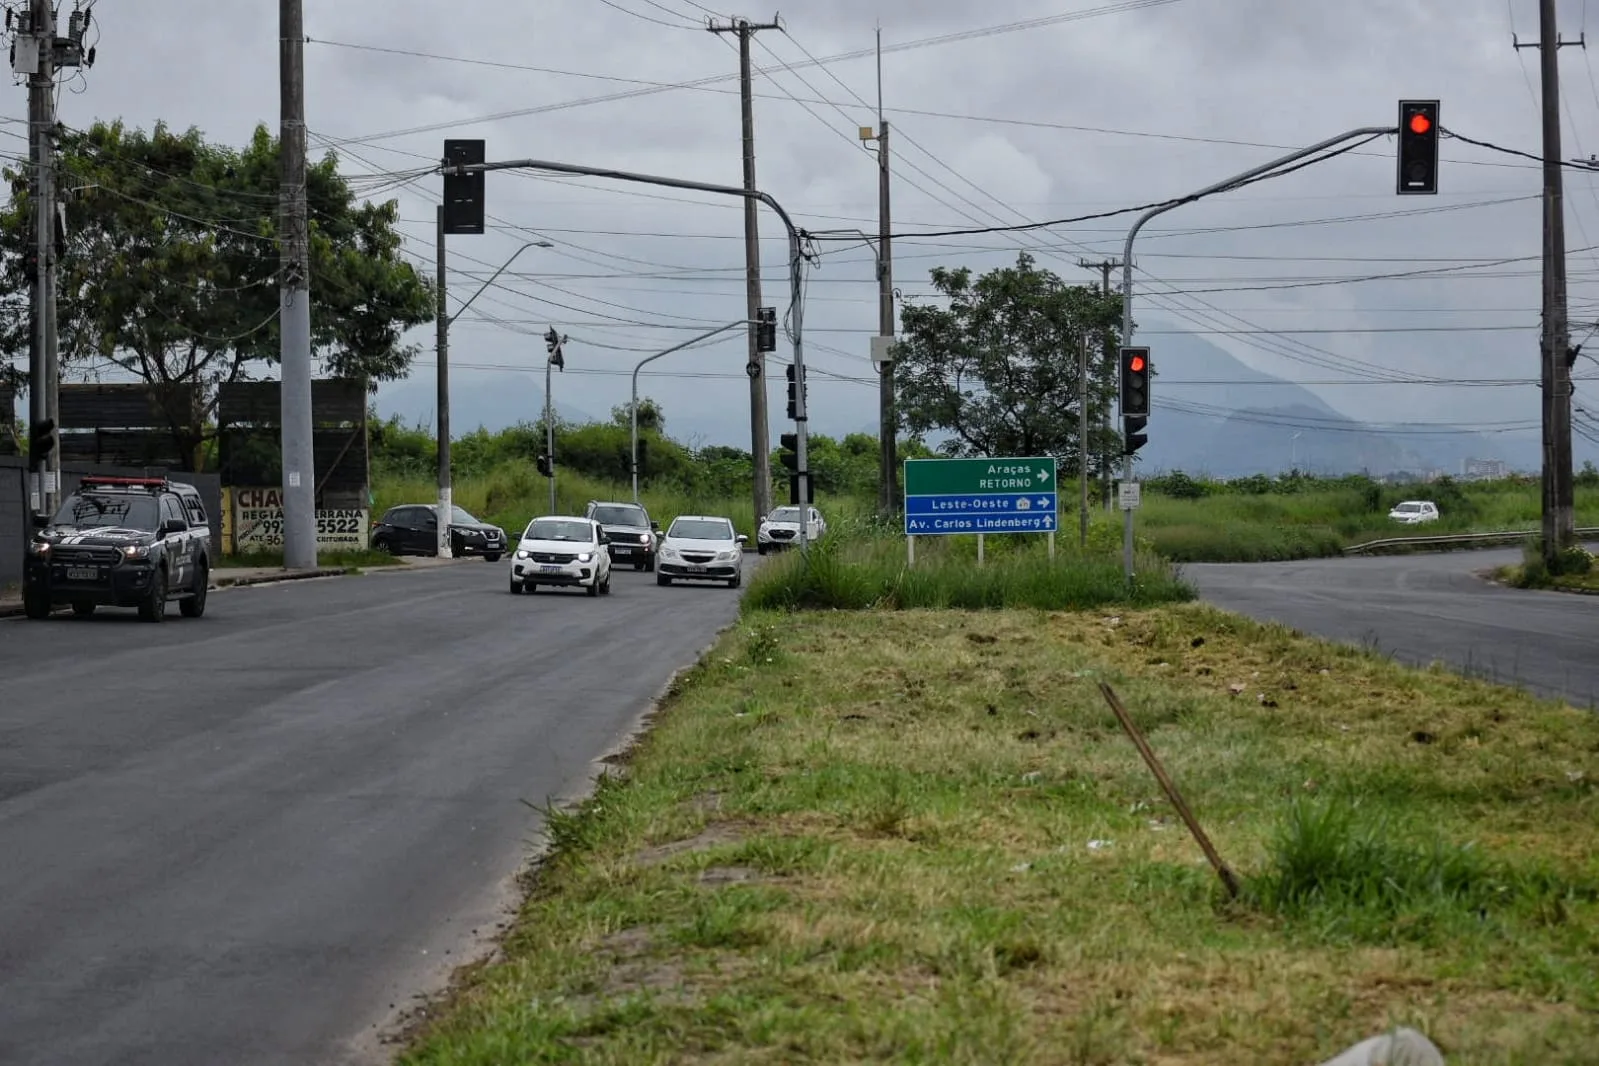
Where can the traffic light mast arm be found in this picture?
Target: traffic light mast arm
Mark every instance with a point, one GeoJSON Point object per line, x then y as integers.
{"type": "Point", "coordinates": [1127, 270]}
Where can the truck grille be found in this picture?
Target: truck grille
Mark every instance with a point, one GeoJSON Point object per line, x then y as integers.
{"type": "Point", "coordinates": [79, 555]}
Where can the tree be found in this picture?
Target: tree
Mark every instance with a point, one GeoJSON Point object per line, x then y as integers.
{"type": "Point", "coordinates": [650, 416]}
{"type": "Point", "coordinates": [997, 367]}
{"type": "Point", "coordinates": [169, 267]}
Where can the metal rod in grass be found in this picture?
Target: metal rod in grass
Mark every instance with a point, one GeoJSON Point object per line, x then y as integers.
{"type": "Point", "coordinates": [1228, 880]}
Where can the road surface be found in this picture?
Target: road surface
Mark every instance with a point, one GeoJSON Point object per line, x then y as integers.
{"type": "Point", "coordinates": [241, 839]}
{"type": "Point", "coordinates": [1426, 608]}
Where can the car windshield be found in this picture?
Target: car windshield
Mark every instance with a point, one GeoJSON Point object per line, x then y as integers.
{"type": "Point", "coordinates": [1410, 507]}
{"type": "Point", "coordinates": [620, 515]}
{"type": "Point", "coordinates": [784, 514]}
{"type": "Point", "coordinates": [701, 529]}
{"type": "Point", "coordinates": [558, 529]}
{"type": "Point", "coordinates": [93, 511]}
{"type": "Point", "coordinates": [462, 518]}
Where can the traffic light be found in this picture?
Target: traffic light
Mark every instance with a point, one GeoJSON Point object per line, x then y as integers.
{"type": "Point", "coordinates": [789, 457]}
{"type": "Point", "coordinates": [1134, 398]}
{"type": "Point", "coordinates": [552, 344]}
{"type": "Point", "coordinates": [463, 193]}
{"type": "Point", "coordinates": [42, 440]}
{"type": "Point", "coordinates": [1135, 381]}
{"type": "Point", "coordinates": [1418, 147]}
{"type": "Point", "coordinates": [766, 330]}
{"type": "Point", "coordinates": [544, 465]}
{"type": "Point", "coordinates": [794, 393]}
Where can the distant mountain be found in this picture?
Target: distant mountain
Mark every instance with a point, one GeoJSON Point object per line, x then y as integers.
{"type": "Point", "coordinates": [493, 400]}
{"type": "Point", "coordinates": [1252, 422]}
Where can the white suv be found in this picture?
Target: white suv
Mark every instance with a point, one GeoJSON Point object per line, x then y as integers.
{"type": "Point", "coordinates": [1412, 511]}
{"type": "Point", "coordinates": [561, 550]}
{"type": "Point", "coordinates": [781, 528]}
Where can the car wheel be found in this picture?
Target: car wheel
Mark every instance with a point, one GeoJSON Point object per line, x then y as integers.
{"type": "Point", "coordinates": [649, 564]}
{"type": "Point", "coordinates": [736, 582]}
{"type": "Point", "coordinates": [154, 607]}
{"type": "Point", "coordinates": [605, 587]}
{"type": "Point", "coordinates": [662, 579]}
{"type": "Point", "coordinates": [760, 549]}
{"type": "Point", "coordinates": [594, 587]}
{"type": "Point", "coordinates": [492, 557]}
{"type": "Point", "coordinates": [194, 606]}
{"type": "Point", "coordinates": [82, 609]}
{"type": "Point", "coordinates": [516, 587]}
{"type": "Point", "coordinates": [36, 603]}
{"type": "Point", "coordinates": [384, 544]}
{"type": "Point", "coordinates": [639, 565]}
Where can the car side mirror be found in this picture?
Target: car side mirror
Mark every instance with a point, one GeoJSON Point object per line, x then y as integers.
{"type": "Point", "coordinates": [742, 539]}
{"type": "Point", "coordinates": [605, 538]}
{"type": "Point", "coordinates": [40, 521]}
{"type": "Point", "coordinates": [171, 526]}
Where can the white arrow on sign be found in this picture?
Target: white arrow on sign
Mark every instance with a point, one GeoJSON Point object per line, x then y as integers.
{"type": "Point", "coordinates": [1043, 475]}
{"type": "Point", "coordinates": [1043, 501]}
{"type": "Point", "coordinates": [1048, 521]}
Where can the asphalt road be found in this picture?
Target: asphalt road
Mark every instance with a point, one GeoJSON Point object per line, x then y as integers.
{"type": "Point", "coordinates": [240, 839]}
{"type": "Point", "coordinates": [1426, 608]}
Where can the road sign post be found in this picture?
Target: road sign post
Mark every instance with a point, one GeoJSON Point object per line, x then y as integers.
{"type": "Point", "coordinates": [948, 497]}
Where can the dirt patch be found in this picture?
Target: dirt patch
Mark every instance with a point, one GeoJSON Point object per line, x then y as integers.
{"type": "Point", "coordinates": [713, 836]}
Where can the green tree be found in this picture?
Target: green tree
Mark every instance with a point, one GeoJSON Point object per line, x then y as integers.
{"type": "Point", "coordinates": [170, 265]}
{"type": "Point", "coordinates": [996, 366]}
{"type": "Point", "coordinates": [650, 416]}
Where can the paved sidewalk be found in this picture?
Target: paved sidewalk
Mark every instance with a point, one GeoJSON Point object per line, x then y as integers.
{"type": "Point", "coordinates": [238, 576]}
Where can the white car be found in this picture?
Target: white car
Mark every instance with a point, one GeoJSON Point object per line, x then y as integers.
{"type": "Point", "coordinates": [562, 550]}
{"type": "Point", "coordinates": [701, 548]}
{"type": "Point", "coordinates": [781, 528]}
{"type": "Point", "coordinates": [1412, 511]}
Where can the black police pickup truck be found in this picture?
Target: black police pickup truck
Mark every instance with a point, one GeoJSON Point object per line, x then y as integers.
{"type": "Point", "coordinates": [121, 542]}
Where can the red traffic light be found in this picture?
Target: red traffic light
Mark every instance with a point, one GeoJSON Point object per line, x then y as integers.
{"type": "Point", "coordinates": [1420, 123]}
{"type": "Point", "coordinates": [1136, 364]}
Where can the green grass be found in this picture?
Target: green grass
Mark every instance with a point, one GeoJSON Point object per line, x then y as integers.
{"type": "Point", "coordinates": [1239, 527]}
{"type": "Point", "coordinates": [854, 568]}
{"type": "Point", "coordinates": [921, 836]}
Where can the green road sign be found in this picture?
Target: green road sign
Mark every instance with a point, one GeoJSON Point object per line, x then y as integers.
{"type": "Point", "coordinates": [948, 477]}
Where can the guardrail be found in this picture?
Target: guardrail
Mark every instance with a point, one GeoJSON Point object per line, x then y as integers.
{"type": "Point", "coordinates": [1509, 536]}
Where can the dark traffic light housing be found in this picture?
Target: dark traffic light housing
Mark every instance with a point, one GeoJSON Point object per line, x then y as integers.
{"type": "Point", "coordinates": [788, 458]}
{"type": "Point", "coordinates": [1418, 148]}
{"type": "Point", "coordinates": [1134, 398]}
{"type": "Point", "coordinates": [793, 393]}
{"type": "Point", "coordinates": [463, 193]}
{"type": "Point", "coordinates": [766, 330]}
{"type": "Point", "coordinates": [41, 440]}
{"type": "Point", "coordinates": [544, 465]}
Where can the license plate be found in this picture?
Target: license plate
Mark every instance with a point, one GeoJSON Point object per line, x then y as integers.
{"type": "Point", "coordinates": [550, 569]}
{"type": "Point", "coordinates": [622, 549]}
{"type": "Point", "coordinates": [83, 573]}
{"type": "Point", "coordinates": [695, 569]}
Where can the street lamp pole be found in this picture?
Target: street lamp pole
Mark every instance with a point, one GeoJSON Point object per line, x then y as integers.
{"type": "Point", "coordinates": [554, 343]}
{"type": "Point", "coordinates": [446, 505]}
{"type": "Point", "coordinates": [633, 404]}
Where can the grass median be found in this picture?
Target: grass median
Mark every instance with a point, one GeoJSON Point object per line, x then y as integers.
{"type": "Point", "coordinates": [921, 836]}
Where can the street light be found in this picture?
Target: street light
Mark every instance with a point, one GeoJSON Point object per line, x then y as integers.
{"type": "Point", "coordinates": [633, 406]}
{"type": "Point", "coordinates": [446, 505]}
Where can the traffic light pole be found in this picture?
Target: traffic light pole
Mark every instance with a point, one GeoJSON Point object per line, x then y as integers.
{"type": "Point", "coordinates": [1127, 271]}
{"type": "Point", "coordinates": [633, 404]}
{"type": "Point", "coordinates": [796, 261]}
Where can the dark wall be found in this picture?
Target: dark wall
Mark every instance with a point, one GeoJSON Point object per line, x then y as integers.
{"type": "Point", "coordinates": [16, 528]}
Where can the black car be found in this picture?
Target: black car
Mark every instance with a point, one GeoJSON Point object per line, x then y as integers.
{"type": "Point", "coordinates": [634, 537]}
{"type": "Point", "coordinates": [413, 529]}
{"type": "Point", "coordinates": [121, 542]}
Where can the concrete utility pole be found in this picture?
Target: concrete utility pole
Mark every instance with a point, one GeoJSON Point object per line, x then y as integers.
{"type": "Point", "coordinates": [1082, 440]}
{"type": "Point", "coordinates": [294, 298]}
{"type": "Point", "coordinates": [441, 362]}
{"type": "Point", "coordinates": [37, 58]}
{"type": "Point", "coordinates": [1104, 268]}
{"type": "Point", "coordinates": [888, 432]}
{"type": "Point", "coordinates": [1558, 520]}
{"type": "Point", "coordinates": [760, 439]}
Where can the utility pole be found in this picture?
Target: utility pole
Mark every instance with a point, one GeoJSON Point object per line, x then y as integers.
{"type": "Point", "coordinates": [888, 432]}
{"type": "Point", "coordinates": [1109, 354]}
{"type": "Point", "coordinates": [1082, 441]}
{"type": "Point", "coordinates": [760, 440]}
{"type": "Point", "coordinates": [1558, 520]}
{"type": "Point", "coordinates": [35, 56]}
{"type": "Point", "coordinates": [441, 362]}
{"type": "Point", "coordinates": [294, 298]}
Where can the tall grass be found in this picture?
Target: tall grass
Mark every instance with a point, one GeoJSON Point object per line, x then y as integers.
{"type": "Point", "coordinates": [865, 566]}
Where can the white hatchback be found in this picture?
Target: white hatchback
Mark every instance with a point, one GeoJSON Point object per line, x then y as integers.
{"type": "Point", "coordinates": [701, 548]}
{"type": "Point", "coordinates": [1412, 511]}
{"type": "Point", "coordinates": [561, 550]}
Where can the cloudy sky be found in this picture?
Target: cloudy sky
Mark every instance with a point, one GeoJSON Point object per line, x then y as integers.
{"type": "Point", "coordinates": [1004, 113]}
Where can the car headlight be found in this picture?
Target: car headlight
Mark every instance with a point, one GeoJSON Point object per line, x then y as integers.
{"type": "Point", "coordinates": [40, 547]}
{"type": "Point", "coordinates": [585, 557]}
{"type": "Point", "coordinates": [727, 556]}
{"type": "Point", "coordinates": [643, 538]}
{"type": "Point", "coordinates": [670, 553]}
{"type": "Point", "coordinates": [523, 554]}
{"type": "Point", "coordinates": [137, 551]}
